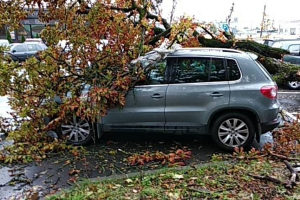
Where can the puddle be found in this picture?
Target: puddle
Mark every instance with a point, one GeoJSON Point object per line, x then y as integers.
{"type": "Point", "coordinates": [5, 143]}
{"type": "Point", "coordinates": [5, 177]}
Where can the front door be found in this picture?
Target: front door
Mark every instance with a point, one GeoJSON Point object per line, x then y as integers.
{"type": "Point", "coordinates": [145, 106]}
{"type": "Point", "coordinates": [19, 53]}
{"type": "Point", "coordinates": [198, 87]}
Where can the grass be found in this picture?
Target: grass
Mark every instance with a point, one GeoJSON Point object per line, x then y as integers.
{"type": "Point", "coordinates": [224, 181]}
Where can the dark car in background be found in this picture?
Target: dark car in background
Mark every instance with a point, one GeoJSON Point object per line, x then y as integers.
{"type": "Point", "coordinates": [21, 51]}
{"type": "Point", "coordinates": [294, 85]}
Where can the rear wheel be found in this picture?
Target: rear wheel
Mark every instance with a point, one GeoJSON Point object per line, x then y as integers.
{"type": "Point", "coordinates": [294, 85]}
{"type": "Point", "coordinates": [233, 130]}
{"type": "Point", "coordinates": [78, 131]}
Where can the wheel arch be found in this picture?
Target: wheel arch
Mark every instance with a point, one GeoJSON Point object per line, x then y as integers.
{"type": "Point", "coordinates": [253, 116]}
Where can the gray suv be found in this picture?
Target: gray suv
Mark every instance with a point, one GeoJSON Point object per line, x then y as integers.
{"type": "Point", "coordinates": [221, 92]}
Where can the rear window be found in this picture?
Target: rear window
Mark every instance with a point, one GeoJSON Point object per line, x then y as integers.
{"type": "Point", "coordinates": [266, 73]}
{"type": "Point", "coordinates": [233, 70]}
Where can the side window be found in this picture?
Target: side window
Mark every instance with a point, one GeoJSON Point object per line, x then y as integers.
{"type": "Point", "coordinates": [19, 48]}
{"type": "Point", "coordinates": [191, 70]}
{"type": "Point", "coordinates": [217, 70]}
{"type": "Point", "coordinates": [233, 70]}
{"type": "Point", "coordinates": [294, 49]}
{"type": "Point", "coordinates": [155, 75]}
{"type": "Point", "coordinates": [31, 47]}
{"type": "Point", "coordinates": [195, 70]}
{"type": "Point", "coordinates": [38, 47]}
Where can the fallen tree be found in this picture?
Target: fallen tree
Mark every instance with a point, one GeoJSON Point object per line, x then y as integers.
{"type": "Point", "coordinates": [102, 38]}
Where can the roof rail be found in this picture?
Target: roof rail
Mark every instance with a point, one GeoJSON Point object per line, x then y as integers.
{"type": "Point", "coordinates": [209, 49]}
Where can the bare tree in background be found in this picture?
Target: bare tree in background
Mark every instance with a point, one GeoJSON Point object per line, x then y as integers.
{"type": "Point", "coordinates": [173, 11]}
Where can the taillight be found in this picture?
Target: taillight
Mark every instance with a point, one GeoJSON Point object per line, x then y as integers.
{"type": "Point", "coordinates": [269, 91]}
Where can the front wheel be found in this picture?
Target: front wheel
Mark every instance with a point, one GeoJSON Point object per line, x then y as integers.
{"type": "Point", "coordinates": [78, 131]}
{"type": "Point", "coordinates": [233, 130]}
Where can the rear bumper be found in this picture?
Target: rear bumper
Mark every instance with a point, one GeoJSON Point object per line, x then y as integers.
{"type": "Point", "coordinates": [269, 126]}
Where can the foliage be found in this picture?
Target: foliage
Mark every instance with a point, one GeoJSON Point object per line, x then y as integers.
{"type": "Point", "coordinates": [23, 38]}
{"type": "Point", "coordinates": [101, 37]}
{"type": "Point", "coordinates": [8, 36]}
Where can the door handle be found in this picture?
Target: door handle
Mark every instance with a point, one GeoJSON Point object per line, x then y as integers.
{"type": "Point", "coordinates": [216, 94]}
{"type": "Point", "coordinates": [157, 96]}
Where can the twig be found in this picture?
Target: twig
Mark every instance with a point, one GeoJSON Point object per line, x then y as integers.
{"type": "Point", "coordinates": [200, 191]}
{"type": "Point", "coordinates": [283, 157]}
{"type": "Point", "coordinates": [268, 178]}
{"type": "Point", "coordinates": [292, 181]}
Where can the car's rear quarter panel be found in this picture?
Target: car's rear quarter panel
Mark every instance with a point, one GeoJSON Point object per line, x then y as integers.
{"type": "Point", "coordinates": [246, 94]}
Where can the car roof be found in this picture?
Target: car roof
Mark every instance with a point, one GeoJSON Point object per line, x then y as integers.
{"type": "Point", "coordinates": [218, 52]}
{"type": "Point", "coordinates": [14, 44]}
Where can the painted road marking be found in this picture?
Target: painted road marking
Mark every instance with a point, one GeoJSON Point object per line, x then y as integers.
{"type": "Point", "coordinates": [288, 92]}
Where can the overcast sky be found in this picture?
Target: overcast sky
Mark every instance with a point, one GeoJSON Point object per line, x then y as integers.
{"type": "Point", "coordinates": [245, 10]}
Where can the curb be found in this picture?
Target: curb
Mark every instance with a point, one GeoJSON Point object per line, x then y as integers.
{"type": "Point", "coordinates": [141, 174]}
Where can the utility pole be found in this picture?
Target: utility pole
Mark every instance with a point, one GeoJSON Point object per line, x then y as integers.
{"type": "Point", "coordinates": [263, 21]}
{"type": "Point", "coordinates": [228, 19]}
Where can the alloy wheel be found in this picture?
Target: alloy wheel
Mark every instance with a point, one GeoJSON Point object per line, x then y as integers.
{"type": "Point", "coordinates": [77, 130]}
{"type": "Point", "coordinates": [294, 84]}
{"type": "Point", "coordinates": [233, 132]}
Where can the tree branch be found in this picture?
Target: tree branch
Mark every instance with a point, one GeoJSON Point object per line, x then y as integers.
{"type": "Point", "coordinates": [164, 21]}
{"type": "Point", "coordinates": [157, 37]}
{"type": "Point", "coordinates": [208, 32]}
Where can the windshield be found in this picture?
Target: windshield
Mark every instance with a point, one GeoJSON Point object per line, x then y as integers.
{"type": "Point", "coordinates": [277, 45]}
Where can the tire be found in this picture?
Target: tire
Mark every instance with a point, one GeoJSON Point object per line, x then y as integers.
{"type": "Point", "coordinates": [233, 130]}
{"type": "Point", "coordinates": [78, 131]}
{"type": "Point", "coordinates": [293, 85]}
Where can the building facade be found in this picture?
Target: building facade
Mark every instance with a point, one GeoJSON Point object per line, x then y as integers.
{"type": "Point", "coordinates": [31, 27]}
{"type": "Point", "coordinates": [289, 27]}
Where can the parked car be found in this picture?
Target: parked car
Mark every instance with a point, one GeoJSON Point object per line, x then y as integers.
{"type": "Point", "coordinates": [22, 51]}
{"type": "Point", "coordinates": [224, 93]}
{"type": "Point", "coordinates": [4, 42]}
{"type": "Point", "coordinates": [293, 46]}
{"type": "Point", "coordinates": [294, 85]}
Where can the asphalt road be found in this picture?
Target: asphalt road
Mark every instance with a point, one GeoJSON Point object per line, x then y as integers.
{"type": "Point", "coordinates": [109, 156]}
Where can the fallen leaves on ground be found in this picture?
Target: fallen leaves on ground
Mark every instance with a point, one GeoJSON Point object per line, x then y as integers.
{"type": "Point", "coordinates": [246, 175]}
{"type": "Point", "coordinates": [174, 159]}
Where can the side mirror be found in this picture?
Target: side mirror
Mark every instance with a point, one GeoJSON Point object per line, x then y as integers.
{"type": "Point", "coordinates": [13, 51]}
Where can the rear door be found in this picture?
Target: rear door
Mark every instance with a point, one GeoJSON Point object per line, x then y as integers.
{"type": "Point", "coordinates": [145, 105]}
{"type": "Point", "coordinates": [198, 87]}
